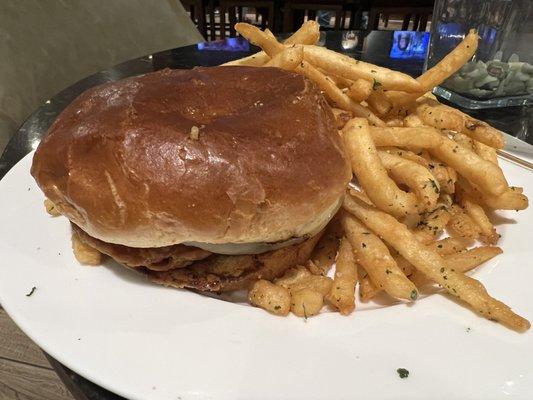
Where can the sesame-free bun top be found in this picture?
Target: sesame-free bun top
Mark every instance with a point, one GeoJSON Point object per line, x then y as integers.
{"type": "Point", "coordinates": [123, 161]}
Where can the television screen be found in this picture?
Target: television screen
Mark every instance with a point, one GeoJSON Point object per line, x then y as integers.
{"type": "Point", "coordinates": [409, 44]}
{"type": "Point", "coordinates": [229, 44]}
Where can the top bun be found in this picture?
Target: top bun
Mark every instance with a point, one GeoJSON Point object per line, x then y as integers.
{"type": "Point", "coordinates": [209, 155]}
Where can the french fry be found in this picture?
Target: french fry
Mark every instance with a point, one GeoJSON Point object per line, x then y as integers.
{"type": "Point", "coordinates": [367, 289]}
{"type": "Point", "coordinates": [336, 95]}
{"type": "Point", "coordinates": [84, 253]}
{"type": "Point", "coordinates": [307, 34]}
{"type": "Point", "coordinates": [394, 122]}
{"type": "Point", "coordinates": [443, 247]}
{"type": "Point", "coordinates": [478, 215]}
{"type": "Point", "coordinates": [341, 82]}
{"type": "Point", "coordinates": [413, 121]}
{"type": "Point", "coordinates": [461, 262]}
{"type": "Point", "coordinates": [323, 255]}
{"type": "Point", "coordinates": [443, 70]}
{"type": "Point", "coordinates": [293, 276]}
{"type": "Point", "coordinates": [275, 299]}
{"type": "Point", "coordinates": [254, 35]}
{"type": "Point", "coordinates": [341, 65]}
{"type": "Point", "coordinates": [433, 265]}
{"type": "Point", "coordinates": [451, 63]}
{"type": "Point", "coordinates": [378, 101]}
{"type": "Point", "coordinates": [255, 60]}
{"type": "Point", "coordinates": [342, 293]}
{"type": "Point", "coordinates": [447, 246]}
{"type": "Point", "coordinates": [359, 90]}
{"type": "Point", "coordinates": [444, 175]}
{"type": "Point", "coordinates": [288, 59]}
{"type": "Point", "coordinates": [371, 174]}
{"type": "Point", "coordinates": [342, 117]}
{"type": "Point", "coordinates": [464, 141]}
{"type": "Point", "coordinates": [470, 259]}
{"type": "Point", "coordinates": [51, 208]}
{"type": "Point", "coordinates": [432, 225]}
{"type": "Point", "coordinates": [306, 302]}
{"type": "Point", "coordinates": [299, 278]}
{"type": "Point", "coordinates": [307, 291]}
{"type": "Point", "coordinates": [486, 152]}
{"type": "Point", "coordinates": [407, 154]}
{"type": "Point", "coordinates": [440, 116]}
{"type": "Point", "coordinates": [511, 199]}
{"type": "Point", "coordinates": [410, 137]}
{"type": "Point", "coordinates": [421, 182]}
{"type": "Point", "coordinates": [485, 175]}
{"type": "Point", "coordinates": [482, 132]}
{"type": "Point", "coordinates": [462, 225]}
{"type": "Point", "coordinates": [376, 259]}
{"type": "Point", "coordinates": [403, 264]}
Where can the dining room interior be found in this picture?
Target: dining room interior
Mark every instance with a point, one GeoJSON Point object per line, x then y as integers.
{"type": "Point", "coordinates": [51, 51]}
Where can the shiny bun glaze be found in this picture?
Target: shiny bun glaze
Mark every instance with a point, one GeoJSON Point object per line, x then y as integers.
{"type": "Point", "coordinates": [124, 163]}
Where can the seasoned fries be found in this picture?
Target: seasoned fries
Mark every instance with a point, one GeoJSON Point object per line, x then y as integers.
{"type": "Point", "coordinates": [443, 70]}
{"type": "Point", "coordinates": [424, 169]}
{"type": "Point", "coordinates": [84, 253]}
{"type": "Point", "coordinates": [323, 255]}
{"type": "Point", "coordinates": [300, 278]}
{"type": "Point", "coordinates": [408, 137]}
{"type": "Point", "coordinates": [367, 289]}
{"type": "Point", "coordinates": [51, 208]}
{"type": "Point", "coordinates": [461, 262]}
{"type": "Point", "coordinates": [306, 303]}
{"type": "Point", "coordinates": [342, 117]}
{"type": "Point", "coordinates": [439, 116]}
{"type": "Point", "coordinates": [486, 152]}
{"type": "Point", "coordinates": [416, 177]}
{"type": "Point", "coordinates": [275, 299]}
{"type": "Point", "coordinates": [487, 176]}
{"type": "Point", "coordinates": [336, 95]}
{"type": "Point", "coordinates": [374, 256]}
{"type": "Point", "coordinates": [307, 34]}
{"type": "Point", "coordinates": [341, 65]}
{"type": "Point", "coordinates": [447, 246]}
{"type": "Point", "coordinates": [480, 218]}
{"type": "Point", "coordinates": [378, 101]}
{"type": "Point", "coordinates": [432, 225]}
{"type": "Point", "coordinates": [470, 259]}
{"type": "Point", "coordinates": [511, 199]}
{"type": "Point", "coordinates": [371, 174]}
{"type": "Point", "coordinates": [288, 59]}
{"type": "Point", "coordinates": [451, 63]}
{"type": "Point", "coordinates": [462, 225]}
{"type": "Point", "coordinates": [359, 90]}
{"type": "Point", "coordinates": [306, 290]}
{"type": "Point", "coordinates": [342, 293]}
{"type": "Point", "coordinates": [433, 266]}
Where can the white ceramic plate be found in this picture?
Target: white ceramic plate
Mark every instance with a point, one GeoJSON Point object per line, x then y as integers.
{"type": "Point", "coordinates": [144, 341]}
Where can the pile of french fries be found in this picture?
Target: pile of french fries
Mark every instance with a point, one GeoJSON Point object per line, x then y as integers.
{"type": "Point", "coordinates": [423, 171]}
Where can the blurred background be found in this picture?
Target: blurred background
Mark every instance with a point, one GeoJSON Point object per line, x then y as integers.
{"type": "Point", "coordinates": [47, 45]}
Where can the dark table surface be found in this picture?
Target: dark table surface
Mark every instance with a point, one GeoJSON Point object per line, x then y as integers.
{"type": "Point", "coordinates": [374, 48]}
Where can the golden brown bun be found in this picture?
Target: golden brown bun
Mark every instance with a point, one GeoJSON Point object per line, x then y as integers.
{"type": "Point", "coordinates": [121, 162]}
